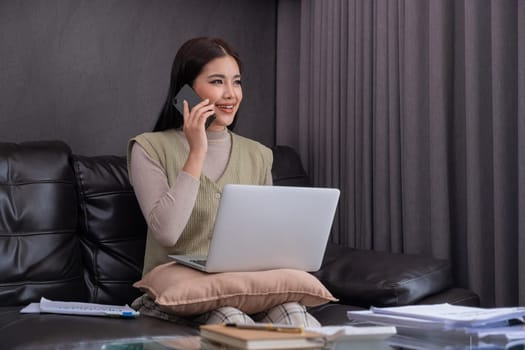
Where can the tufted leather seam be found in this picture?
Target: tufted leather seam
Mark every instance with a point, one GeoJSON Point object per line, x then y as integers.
{"type": "Point", "coordinates": [461, 300]}
{"type": "Point", "coordinates": [82, 203]}
{"type": "Point", "coordinates": [397, 294]}
{"type": "Point", "coordinates": [123, 239]}
{"type": "Point", "coordinates": [401, 283]}
{"type": "Point", "coordinates": [108, 193]}
{"type": "Point", "coordinates": [39, 282]}
{"type": "Point", "coordinates": [125, 283]}
{"type": "Point", "coordinates": [289, 177]}
{"type": "Point", "coordinates": [36, 233]}
{"type": "Point", "coordinates": [32, 182]}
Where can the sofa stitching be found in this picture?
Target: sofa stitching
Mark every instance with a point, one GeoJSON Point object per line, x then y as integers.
{"type": "Point", "coordinates": [460, 300]}
{"type": "Point", "coordinates": [397, 293]}
{"type": "Point", "coordinates": [36, 233]}
{"type": "Point", "coordinates": [101, 194]}
{"type": "Point", "coordinates": [32, 182]}
{"type": "Point", "coordinates": [82, 196]}
{"type": "Point", "coordinates": [124, 239]}
{"type": "Point", "coordinates": [426, 275]}
{"type": "Point", "coordinates": [290, 177]}
{"type": "Point", "coordinates": [23, 283]}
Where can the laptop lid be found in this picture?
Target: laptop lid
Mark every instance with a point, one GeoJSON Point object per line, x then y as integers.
{"type": "Point", "coordinates": [271, 227]}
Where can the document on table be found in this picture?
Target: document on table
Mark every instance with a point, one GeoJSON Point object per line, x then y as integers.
{"type": "Point", "coordinates": [341, 333]}
{"type": "Point", "coordinates": [457, 322]}
{"type": "Point", "coordinates": [445, 343]}
{"type": "Point", "coordinates": [454, 315]}
{"type": "Point", "coordinates": [79, 308]}
{"type": "Point", "coordinates": [398, 321]}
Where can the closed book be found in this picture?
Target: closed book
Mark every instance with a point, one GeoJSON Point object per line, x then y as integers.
{"type": "Point", "coordinates": [239, 338]}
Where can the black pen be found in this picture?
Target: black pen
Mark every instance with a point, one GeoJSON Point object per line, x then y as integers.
{"type": "Point", "coordinates": [267, 327]}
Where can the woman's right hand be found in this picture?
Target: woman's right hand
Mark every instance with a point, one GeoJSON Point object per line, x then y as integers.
{"type": "Point", "coordinates": [195, 133]}
{"type": "Point", "coordinates": [194, 122]}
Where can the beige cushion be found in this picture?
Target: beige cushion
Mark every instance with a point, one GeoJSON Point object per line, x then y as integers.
{"type": "Point", "coordinates": [185, 291]}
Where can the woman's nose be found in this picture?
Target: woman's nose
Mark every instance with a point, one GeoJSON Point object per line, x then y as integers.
{"type": "Point", "coordinates": [228, 90]}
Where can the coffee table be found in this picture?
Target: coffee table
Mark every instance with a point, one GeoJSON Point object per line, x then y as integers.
{"type": "Point", "coordinates": [193, 343]}
{"type": "Point", "coordinates": [397, 342]}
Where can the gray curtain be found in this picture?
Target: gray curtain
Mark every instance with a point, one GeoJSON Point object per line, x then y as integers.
{"type": "Point", "coordinates": [415, 109]}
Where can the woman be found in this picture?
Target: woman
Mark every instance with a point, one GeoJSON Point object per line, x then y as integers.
{"type": "Point", "coordinates": [179, 169]}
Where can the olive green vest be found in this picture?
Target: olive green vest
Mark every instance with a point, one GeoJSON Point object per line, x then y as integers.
{"type": "Point", "coordinates": [249, 163]}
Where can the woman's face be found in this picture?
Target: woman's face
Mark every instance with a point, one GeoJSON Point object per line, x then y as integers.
{"type": "Point", "coordinates": [220, 82]}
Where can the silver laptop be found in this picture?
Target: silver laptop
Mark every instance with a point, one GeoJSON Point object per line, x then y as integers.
{"type": "Point", "coordinates": [268, 227]}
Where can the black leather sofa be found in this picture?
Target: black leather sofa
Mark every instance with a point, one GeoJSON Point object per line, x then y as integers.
{"type": "Point", "coordinates": [70, 229]}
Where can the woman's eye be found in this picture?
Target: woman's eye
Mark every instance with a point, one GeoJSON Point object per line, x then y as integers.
{"type": "Point", "coordinates": [237, 82]}
{"type": "Point", "coordinates": [216, 82]}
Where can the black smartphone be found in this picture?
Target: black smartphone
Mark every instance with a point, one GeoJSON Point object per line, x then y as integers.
{"type": "Point", "coordinates": [188, 94]}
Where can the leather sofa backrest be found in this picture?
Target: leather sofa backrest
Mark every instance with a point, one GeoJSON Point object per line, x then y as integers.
{"type": "Point", "coordinates": [40, 254]}
{"type": "Point", "coordinates": [112, 229]}
{"type": "Point", "coordinates": [287, 169]}
{"type": "Point", "coordinates": [71, 227]}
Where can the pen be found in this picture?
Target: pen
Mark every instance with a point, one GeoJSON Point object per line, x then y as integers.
{"type": "Point", "coordinates": [268, 327]}
{"type": "Point", "coordinates": [123, 314]}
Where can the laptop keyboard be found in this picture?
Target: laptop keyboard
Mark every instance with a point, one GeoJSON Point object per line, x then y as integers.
{"type": "Point", "coordinates": [199, 262]}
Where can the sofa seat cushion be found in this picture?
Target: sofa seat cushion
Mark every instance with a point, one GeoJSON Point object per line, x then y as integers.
{"type": "Point", "coordinates": [184, 291]}
{"type": "Point", "coordinates": [364, 277]}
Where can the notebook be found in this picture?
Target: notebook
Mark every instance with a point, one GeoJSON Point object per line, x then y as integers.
{"type": "Point", "coordinates": [268, 227]}
{"type": "Point", "coordinates": [220, 336]}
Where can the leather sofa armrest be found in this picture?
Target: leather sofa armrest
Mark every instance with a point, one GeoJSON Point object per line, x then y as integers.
{"type": "Point", "coordinates": [364, 277]}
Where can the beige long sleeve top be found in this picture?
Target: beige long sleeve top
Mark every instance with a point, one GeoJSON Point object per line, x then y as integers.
{"type": "Point", "coordinates": [167, 209]}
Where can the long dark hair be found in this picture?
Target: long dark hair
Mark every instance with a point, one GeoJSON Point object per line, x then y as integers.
{"type": "Point", "coordinates": [192, 56]}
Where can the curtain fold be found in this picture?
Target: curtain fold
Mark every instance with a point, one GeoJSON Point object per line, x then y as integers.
{"type": "Point", "coordinates": [520, 14]}
{"type": "Point", "coordinates": [415, 109]}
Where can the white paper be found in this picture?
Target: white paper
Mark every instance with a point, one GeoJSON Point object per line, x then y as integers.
{"type": "Point", "coordinates": [398, 321]}
{"type": "Point", "coordinates": [33, 308]}
{"type": "Point", "coordinates": [456, 315]}
{"type": "Point", "coordinates": [79, 308]}
{"type": "Point", "coordinates": [499, 332]}
{"type": "Point", "coordinates": [508, 333]}
{"type": "Point", "coordinates": [354, 332]}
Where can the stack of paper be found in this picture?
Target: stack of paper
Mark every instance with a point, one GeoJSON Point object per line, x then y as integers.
{"type": "Point", "coordinates": [497, 325]}
{"type": "Point", "coordinates": [78, 308]}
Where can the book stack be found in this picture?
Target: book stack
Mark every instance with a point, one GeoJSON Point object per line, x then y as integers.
{"type": "Point", "coordinates": [272, 336]}
{"type": "Point", "coordinates": [221, 336]}
{"type": "Point", "coordinates": [450, 324]}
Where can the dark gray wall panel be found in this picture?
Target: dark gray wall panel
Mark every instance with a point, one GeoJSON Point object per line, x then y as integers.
{"type": "Point", "coordinates": [95, 73]}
